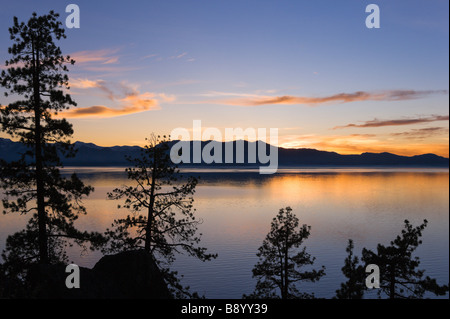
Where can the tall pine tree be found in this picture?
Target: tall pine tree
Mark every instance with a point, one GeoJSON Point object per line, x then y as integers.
{"type": "Point", "coordinates": [37, 77]}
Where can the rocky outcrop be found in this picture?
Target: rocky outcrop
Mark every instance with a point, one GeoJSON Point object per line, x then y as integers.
{"type": "Point", "coordinates": [131, 274]}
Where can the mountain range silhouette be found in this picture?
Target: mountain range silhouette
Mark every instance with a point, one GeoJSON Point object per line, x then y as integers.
{"type": "Point", "coordinates": [89, 154]}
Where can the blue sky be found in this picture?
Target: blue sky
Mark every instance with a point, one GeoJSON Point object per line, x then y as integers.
{"type": "Point", "coordinates": [304, 67]}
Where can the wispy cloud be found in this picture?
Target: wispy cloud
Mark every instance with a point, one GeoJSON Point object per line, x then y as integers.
{"type": "Point", "coordinates": [104, 60]}
{"type": "Point", "coordinates": [423, 133]}
{"type": "Point", "coordinates": [218, 94]}
{"type": "Point", "coordinates": [112, 90]}
{"type": "Point", "coordinates": [128, 98]}
{"type": "Point", "coordinates": [80, 83]}
{"type": "Point", "coordinates": [178, 56]}
{"type": "Point", "coordinates": [149, 56]}
{"type": "Point", "coordinates": [104, 111]}
{"type": "Point", "coordinates": [392, 95]}
{"type": "Point", "coordinates": [397, 122]}
{"type": "Point", "coordinates": [162, 85]}
{"type": "Point", "coordinates": [104, 56]}
{"type": "Point", "coordinates": [127, 105]}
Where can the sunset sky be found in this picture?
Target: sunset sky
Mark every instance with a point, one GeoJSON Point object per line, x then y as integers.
{"type": "Point", "coordinates": [312, 69]}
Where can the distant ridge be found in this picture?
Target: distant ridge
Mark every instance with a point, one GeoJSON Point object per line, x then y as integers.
{"type": "Point", "coordinates": [90, 154]}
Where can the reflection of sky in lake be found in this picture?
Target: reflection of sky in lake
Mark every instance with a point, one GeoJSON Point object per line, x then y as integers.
{"type": "Point", "coordinates": [366, 205]}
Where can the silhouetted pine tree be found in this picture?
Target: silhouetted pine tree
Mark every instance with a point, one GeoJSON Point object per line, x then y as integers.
{"type": "Point", "coordinates": [354, 287]}
{"type": "Point", "coordinates": [163, 220]}
{"type": "Point", "coordinates": [399, 273]}
{"type": "Point", "coordinates": [37, 73]}
{"type": "Point", "coordinates": [281, 258]}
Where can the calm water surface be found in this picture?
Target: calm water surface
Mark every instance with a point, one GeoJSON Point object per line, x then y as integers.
{"type": "Point", "coordinates": [366, 205]}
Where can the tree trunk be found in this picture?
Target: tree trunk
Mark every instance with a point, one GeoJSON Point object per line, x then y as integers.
{"type": "Point", "coordinates": [286, 264]}
{"type": "Point", "coordinates": [42, 215]}
{"type": "Point", "coordinates": [150, 217]}
{"type": "Point", "coordinates": [148, 232]}
{"type": "Point", "coordinates": [392, 283]}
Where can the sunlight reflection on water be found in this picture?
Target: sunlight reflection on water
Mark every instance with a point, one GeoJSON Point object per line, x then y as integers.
{"type": "Point", "coordinates": [367, 205]}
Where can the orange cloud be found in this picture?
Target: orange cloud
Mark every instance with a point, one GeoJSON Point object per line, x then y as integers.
{"type": "Point", "coordinates": [393, 95]}
{"type": "Point", "coordinates": [99, 84]}
{"type": "Point", "coordinates": [104, 56]}
{"type": "Point", "coordinates": [83, 84]}
{"type": "Point", "coordinates": [144, 101]}
{"type": "Point", "coordinates": [105, 60]}
{"type": "Point", "coordinates": [396, 122]}
{"type": "Point", "coordinates": [87, 59]}
{"type": "Point", "coordinates": [105, 112]}
{"type": "Point", "coordinates": [129, 98]}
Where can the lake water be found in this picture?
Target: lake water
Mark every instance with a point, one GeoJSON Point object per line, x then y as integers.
{"type": "Point", "coordinates": [366, 205]}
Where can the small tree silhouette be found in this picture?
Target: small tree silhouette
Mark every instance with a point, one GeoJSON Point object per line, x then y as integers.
{"type": "Point", "coordinates": [168, 224]}
{"type": "Point", "coordinates": [354, 287]}
{"type": "Point", "coordinates": [280, 259]}
{"type": "Point", "coordinates": [399, 276]}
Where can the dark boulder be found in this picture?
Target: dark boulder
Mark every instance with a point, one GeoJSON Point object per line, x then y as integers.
{"type": "Point", "coordinates": [127, 275]}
